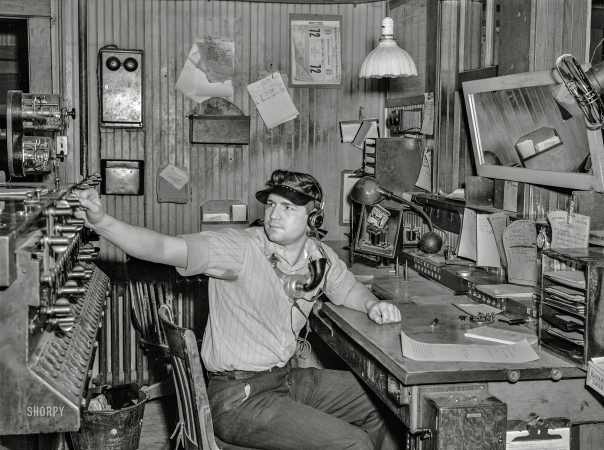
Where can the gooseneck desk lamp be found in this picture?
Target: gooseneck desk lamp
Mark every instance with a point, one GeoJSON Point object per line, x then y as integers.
{"type": "Point", "coordinates": [367, 191]}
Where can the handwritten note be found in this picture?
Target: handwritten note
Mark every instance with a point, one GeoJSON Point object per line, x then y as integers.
{"type": "Point", "coordinates": [520, 245]}
{"type": "Point", "coordinates": [487, 254]}
{"type": "Point", "coordinates": [467, 241]}
{"type": "Point", "coordinates": [499, 222]}
{"type": "Point", "coordinates": [272, 100]}
{"type": "Point", "coordinates": [569, 235]}
{"type": "Point", "coordinates": [194, 83]}
{"type": "Point", "coordinates": [421, 351]}
{"type": "Point", "coordinates": [175, 176]}
{"type": "Point", "coordinates": [216, 58]}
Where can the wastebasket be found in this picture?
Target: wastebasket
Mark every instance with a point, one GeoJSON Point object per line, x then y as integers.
{"type": "Point", "coordinates": [116, 429]}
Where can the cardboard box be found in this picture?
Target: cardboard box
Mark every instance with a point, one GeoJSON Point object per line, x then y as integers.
{"type": "Point", "coordinates": [595, 374]}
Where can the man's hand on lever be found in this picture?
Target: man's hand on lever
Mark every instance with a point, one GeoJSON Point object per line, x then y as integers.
{"type": "Point", "coordinates": [92, 210]}
{"type": "Point", "coordinates": [383, 312]}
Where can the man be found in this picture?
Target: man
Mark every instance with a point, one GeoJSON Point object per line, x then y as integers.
{"type": "Point", "coordinates": [258, 400]}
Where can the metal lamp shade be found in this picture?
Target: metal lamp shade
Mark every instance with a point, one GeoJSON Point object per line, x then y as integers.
{"type": "Point", "coordinates": [388, 59]}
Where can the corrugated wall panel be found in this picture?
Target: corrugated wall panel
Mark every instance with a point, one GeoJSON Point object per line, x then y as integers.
{"type": "Point", "coordinates": [165, 31]}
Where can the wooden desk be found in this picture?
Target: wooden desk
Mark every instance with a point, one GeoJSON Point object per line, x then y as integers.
{"type": "Point", "coordinates": [374, 353]}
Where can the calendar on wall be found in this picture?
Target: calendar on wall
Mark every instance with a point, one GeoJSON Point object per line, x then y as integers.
{"type": "Point", "coordinates": [315, 50]}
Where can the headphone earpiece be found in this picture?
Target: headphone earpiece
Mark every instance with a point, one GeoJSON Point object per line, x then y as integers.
{"type": "Point", "coordinates": [316, 218]}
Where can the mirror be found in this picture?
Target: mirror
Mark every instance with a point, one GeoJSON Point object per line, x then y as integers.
{"type": "Point", "coordinates": [524, 129]}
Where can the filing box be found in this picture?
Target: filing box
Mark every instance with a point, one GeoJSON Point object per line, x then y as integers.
{"type": "Point", "coordinates": [463, 419]}
{"type": "Point", "coordinates": [122, 177]}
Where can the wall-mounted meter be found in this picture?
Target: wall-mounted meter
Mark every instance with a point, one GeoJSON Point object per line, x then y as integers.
{"type": "Point", "coordinates": [29, 120]}
{"type": "Point", "coordinates": [121, 88]}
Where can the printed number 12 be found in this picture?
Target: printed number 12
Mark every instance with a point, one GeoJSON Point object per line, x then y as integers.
{"type": "Point", "coordinates": [315, 33]}
{"type": "Point", "coordinates": [315, 69]}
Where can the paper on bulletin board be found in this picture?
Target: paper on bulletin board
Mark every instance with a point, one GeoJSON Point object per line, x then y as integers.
{"type": "Point", "coordinates": [520, 440]}
{"type": "Point", "coordinates": [194, 83]}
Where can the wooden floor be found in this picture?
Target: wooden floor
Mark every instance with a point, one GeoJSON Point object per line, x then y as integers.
{"type": "Point", "coordinates": [159, 422]}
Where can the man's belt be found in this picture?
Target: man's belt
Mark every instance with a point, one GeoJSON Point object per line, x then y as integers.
{"type": "Point", "coordinates": [239, 374]}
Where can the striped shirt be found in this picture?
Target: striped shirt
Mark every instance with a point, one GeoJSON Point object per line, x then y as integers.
{"type": "Point", "coordinates": [252, 322]}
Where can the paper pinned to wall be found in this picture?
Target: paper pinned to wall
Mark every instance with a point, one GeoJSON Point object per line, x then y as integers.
{"type": "Point", "coordinates": [272, 100]}
{"type": "Point", "coordinates": [424, 180]}
{"type": "Point", "coordinates": [569, 235]}
{"type": "Point", "coordinates": [194, 83]}
{"type": "Point", "coordinates": [216, 58]}
{"type": "Point", "coordinates": [428, 122]}
{"type": "Point", "coordinates": [520, 244]}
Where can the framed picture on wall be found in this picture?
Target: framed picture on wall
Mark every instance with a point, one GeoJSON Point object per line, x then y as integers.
{"type": "Point", "coordinates": [315, 49]}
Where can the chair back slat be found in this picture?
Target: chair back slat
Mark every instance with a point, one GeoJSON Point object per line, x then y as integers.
{"type": "Point", "coordinates": [194, 406]}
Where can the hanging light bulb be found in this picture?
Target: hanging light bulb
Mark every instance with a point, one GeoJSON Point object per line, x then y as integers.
{"type": "Point", "coordinates": [388, 59]}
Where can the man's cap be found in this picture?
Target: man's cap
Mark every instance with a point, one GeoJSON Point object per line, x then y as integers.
{"type": "Point", "coordinates": [293, 195]}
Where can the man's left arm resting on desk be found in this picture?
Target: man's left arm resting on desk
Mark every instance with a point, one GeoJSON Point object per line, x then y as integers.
{"type": "Point", "coordinates": [361, 299]}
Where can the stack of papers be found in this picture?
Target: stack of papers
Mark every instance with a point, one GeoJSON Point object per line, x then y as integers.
{"type": "Point", "coordinates": [575, 337]}
{"type": "Point", "coordinates": [567, 293]}
{"type": "Point", "coordinates": [573, 278]}
{"type": "Point", "coordinates": [566, 305]}
{"type": "Point", "coordinates": [500, 335]}
{"type": "Point", "coordinates": [506, 290]}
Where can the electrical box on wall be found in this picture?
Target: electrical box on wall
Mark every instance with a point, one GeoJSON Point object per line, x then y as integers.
{"type": "Point", "coordinates": [121, 88]}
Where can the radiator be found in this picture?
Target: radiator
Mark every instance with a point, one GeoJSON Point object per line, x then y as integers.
{"type": "Point", "coordinates": [127, 352]}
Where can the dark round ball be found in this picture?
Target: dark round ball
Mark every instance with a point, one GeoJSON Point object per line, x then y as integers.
{"type": "Point", "coordinates": [430, 242]}
{"type": "Point", "coordinates": [113, 63]}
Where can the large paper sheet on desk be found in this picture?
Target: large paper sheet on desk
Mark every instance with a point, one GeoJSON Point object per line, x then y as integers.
{"type": "Point", "coordinates": [422, 351]}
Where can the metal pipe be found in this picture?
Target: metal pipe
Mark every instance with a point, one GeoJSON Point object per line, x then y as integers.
{"type": "Point", "coordinates": [83, 83]}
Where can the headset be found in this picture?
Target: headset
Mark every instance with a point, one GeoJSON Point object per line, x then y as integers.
{"type": "Point", "coordinates": [315, 218]}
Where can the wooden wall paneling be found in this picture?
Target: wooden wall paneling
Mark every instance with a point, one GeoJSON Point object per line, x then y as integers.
{"type": "Point", "coordinates": [448, 73]}
{"type": "Point", "coordinates": [25, 8]}
{"type": "Point", "coordinates": [410, 29]}
{"type": "Point", "coordinates": [164, 30]}
{"type": "Point", "coordinates": [515, 25]}
{"type": "Point", "coordinates": [40, 55]}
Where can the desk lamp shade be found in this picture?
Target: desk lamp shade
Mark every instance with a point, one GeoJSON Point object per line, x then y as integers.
{"type": "Point", "coordinates": [367, 191]}
{"type": "Point", "coordinates": [388, 59]}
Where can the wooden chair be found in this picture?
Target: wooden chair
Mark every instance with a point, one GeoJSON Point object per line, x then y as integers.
{"type": "Point", "coordinates": [195, 428]}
